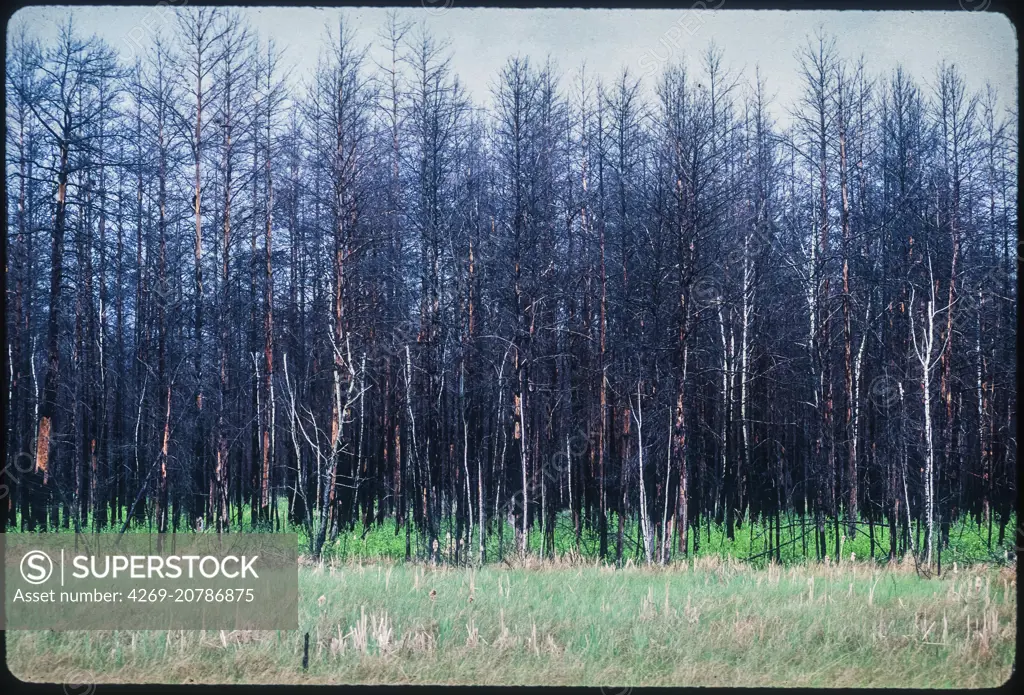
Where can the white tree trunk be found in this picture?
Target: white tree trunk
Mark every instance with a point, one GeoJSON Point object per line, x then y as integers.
{"type": "Point", "coordinates": [645, 522]}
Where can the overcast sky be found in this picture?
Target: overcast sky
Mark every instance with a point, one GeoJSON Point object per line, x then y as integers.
{"type": "Point", "coordinates": [982, 44]}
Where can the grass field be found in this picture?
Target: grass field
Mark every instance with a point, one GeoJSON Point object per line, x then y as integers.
{"type": "Point", "coordinates": [708, 622]}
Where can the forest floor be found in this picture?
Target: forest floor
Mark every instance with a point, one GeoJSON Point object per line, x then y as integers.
{"type": "Point", "coordinates": [707, 622]}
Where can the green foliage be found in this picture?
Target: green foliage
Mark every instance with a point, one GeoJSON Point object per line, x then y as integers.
{"type": "Point", "coordinates": [969, 541]}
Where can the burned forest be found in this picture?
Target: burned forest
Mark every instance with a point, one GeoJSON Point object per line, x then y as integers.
{"type": "Point", "coordinates": [580, 313]}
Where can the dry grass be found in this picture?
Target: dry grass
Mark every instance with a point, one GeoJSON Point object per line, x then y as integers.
{"type": "Point", "coordinates": [710, 622]}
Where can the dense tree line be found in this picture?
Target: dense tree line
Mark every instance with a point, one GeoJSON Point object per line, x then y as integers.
{"type": "Point", "coordinates": [238, 298]}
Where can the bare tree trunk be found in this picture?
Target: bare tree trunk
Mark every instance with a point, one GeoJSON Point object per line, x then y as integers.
{"type": "Point", "coordinates": [923, 349]}
{"type": "Point", "coordinates": [645, 523]}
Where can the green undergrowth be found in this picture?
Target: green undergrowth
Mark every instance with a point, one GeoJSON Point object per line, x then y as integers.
{"type": "Point", "coordinates": [969, 541]}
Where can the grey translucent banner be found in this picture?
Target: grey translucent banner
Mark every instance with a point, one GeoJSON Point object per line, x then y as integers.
{"type": "Point", "coordinates": [67, 581]}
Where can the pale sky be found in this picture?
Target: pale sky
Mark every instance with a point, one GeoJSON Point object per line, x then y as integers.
{"type": "Point", "coordinates": [982, 44]}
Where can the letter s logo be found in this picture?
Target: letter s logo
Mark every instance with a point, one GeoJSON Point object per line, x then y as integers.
{"type": "Point", "coordinates": [36, 567]}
